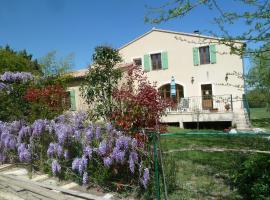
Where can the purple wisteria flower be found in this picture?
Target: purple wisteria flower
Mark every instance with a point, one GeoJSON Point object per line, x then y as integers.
{"type": "Point", "coordinates": [78, 119]}
{"type": "Point", "coordinates": [102, 149]}
{"type": "Point", "coordinates": [134, 143]}
{"type": "Point", "coordinates": [8, 141]}
{"type": "Point", "coordinates": [98, 129]}
{"type": "Point", "coordinates": [59, 150]}
{"type": "Point", "coordinates": [89, 133]}
{"type": "Point", "coordinates": [133, 158]}
{"type": "Point", "coordinates": [63, 131]}
{"type": "Point", "coordinates": [24, 153]}
{"type": "Point", "coordinates": [76, 163]}
{"type": "Point", "coordinates": [109, 127]}
{"type": "Point", "coordinates": [88, 152]}
{"type": "Point", "coordinates": [55, 149]}
{"type": "Point", "coordinates": [56, 168]}
{"type": "Point", "coordinates": [60, 119]}
{"type": "Point", "coordinates": [145, 178]}
{"type": "Point", "coordinates": [107, 161]}
{"type": "Point", "coordinates": [80, 164]}
{"type": "Point", "coordinates": [24, 132]}
{"type": "Point", "coordinates": [51, 150]}
{"type": "Point", "coordinates": [5, 87]}
{"type": "Point", "coordinates": [118, 155]}
{"type": "Point", "coordinates": [77, 135]}
{"type": "Point", "coordinates": [39, 127]}
{"type": "Point", "coordinates": [16, 76]}
{"type": "Point", "coordinates": [85, 178]}
{"type": "Point", "coordinates": [122, 142]}
{"type": "Point", "coordinates": [66, 154]}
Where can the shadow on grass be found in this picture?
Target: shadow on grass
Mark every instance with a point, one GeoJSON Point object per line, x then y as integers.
{"type": "Point", "coordinates": [262, 123]}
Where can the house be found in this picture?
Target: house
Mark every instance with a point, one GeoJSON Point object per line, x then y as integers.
{"type": "Point", "coordinates": [197, 72]}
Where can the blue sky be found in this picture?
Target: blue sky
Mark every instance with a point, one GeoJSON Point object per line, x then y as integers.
{"type": "Point", "coordinates": [77, 26]}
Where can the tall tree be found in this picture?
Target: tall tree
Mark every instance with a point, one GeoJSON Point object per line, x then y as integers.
{"type": "Point", "coordinates": [258, 77]}
{"type": "Point", "coordinates": [51, 66]}
{"type": "Point", "coordinates": [254, 14]}
{"type": "Point", "coordinates": [11, 60]}
{"type": "Point", "coordinates": [101, 80]}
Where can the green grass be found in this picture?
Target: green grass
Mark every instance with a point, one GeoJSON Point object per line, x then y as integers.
{"type": "Point", "coordinates": [260, 118]}
{"type": "Point", "coordinates": [215, 141]}
{"type": "Point", "coordinates": [202, 175]}
{"type": "Point", "coordinates": [206, 175]}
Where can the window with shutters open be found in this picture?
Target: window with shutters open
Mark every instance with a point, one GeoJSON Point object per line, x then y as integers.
{"type": "Point", "coordinates": [204, 55]}
{"type": "Point", "coordinates": [156, 61]}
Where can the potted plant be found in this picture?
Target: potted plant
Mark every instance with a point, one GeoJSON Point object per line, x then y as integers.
{"type": "Point", "coordinates": [227, 106]}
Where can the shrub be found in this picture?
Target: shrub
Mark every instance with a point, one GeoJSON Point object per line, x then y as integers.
{"type": "Point", "coordinates": [252, 178]}
{"type": "Point", "coordinates": [69, 142]}
{"type": "Point", "coordinates": [139, 104]}
{"type": "Point", "coordinates": [27, 97]}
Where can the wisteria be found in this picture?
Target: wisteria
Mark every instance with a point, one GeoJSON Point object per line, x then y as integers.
{"type": "Point", "coordinates": [71, 133]}
{"type": "Point", "coordinates": [145, 178]}
{"type": "Point", "coordinates": [16, 76]}
{"type": "Point", "coordinates": [56, 168]}
{"type": "Point", "coordinates": [85, 178]}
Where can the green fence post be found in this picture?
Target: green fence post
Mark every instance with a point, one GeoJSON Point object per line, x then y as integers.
{"type": "Point", "coordinates": [156, 166]}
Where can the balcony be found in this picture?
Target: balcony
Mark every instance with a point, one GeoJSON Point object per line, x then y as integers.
{"type": "Point", "coordinates": [203, 104]}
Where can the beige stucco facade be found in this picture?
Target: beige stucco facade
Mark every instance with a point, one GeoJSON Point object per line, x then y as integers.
{"type": "Point", "coordinates": [179, 48]}
{"type": "Point", "coordinates": [180, 62]}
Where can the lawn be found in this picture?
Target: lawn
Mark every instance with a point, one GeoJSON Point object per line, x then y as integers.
{"type": "Point", "coordinates": [206, 175]}
{"type": "Point", "coordinates": [260, 118]}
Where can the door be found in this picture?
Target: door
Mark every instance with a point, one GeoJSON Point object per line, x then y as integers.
{"type": "Point", "coordinates": [207, 96]}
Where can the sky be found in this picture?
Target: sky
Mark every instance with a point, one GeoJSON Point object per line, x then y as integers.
{"type": "Point", "coordinates": [77, 26]}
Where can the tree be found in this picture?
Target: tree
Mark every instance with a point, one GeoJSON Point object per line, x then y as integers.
{"type": "Point", "coordinates": [255, 14]}
{"type": "Point", "coordinates": [51, 66]}
{"type": "Point", "coordinates": [101, 81]}
{"type": "Point", "coordinates": [139, 104]}
{"type": "Point", "coordinates": [17, 102]}
{"type": "Point", "coordinates": [258, 77]}
{"type": "Point", "coordinates": [11, 60]}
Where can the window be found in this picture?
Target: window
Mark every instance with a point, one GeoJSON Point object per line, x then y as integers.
{"type": "Point", "coordinates": [137, 61]}
{"type": "Point", "coordinates": [156, 61]}
{"type": "Point", "coordinates": [165, 92]}
{"type": "Point", "coordinates": [67, 100]}
{"type": "Point", "coordinates": [204, 55]}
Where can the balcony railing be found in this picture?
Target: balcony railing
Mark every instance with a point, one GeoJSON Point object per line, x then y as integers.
{"type": "Point", "coordinates": [204, 104]}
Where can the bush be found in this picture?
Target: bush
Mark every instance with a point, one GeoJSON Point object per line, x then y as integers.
{"type": "Point", "coordinates": [102, 155]}
{"type": "Point", "coordinates": [252, 178]}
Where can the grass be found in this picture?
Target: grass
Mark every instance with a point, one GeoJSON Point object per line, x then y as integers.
{"type": "Point", "coordinates": [215, 141]}
{"type": "Point", "coordinates": [260, 118]}
{"type": "Point", "coordinates": [206, 175]}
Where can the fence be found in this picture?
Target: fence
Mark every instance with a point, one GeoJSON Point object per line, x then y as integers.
{"type": "Point", "coordinates": [207, 103]}
{"type": "Point", "coordinates": [198, 154]}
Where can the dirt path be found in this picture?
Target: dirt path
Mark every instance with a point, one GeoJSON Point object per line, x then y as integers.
{"type": "Point", "coordinates": [217, 150]}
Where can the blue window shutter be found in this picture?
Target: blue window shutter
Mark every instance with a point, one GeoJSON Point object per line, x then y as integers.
{"type": "Point", "coordinates": [195, 56]}
{"type": "Point", "coordinates": [213, 54]}
{"type": "Point", "coordinates": [146, 62]}
{"type": "Point", "coordinates": [164, 60]}
{"type": "Point", "coordinates": [72, 100]}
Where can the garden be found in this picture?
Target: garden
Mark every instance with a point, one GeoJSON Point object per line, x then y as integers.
{"type": "Point", "coordinates": [119, 144]}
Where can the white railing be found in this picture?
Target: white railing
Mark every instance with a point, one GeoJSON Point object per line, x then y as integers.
{"type": "Point", "coordinates": [217, 103]}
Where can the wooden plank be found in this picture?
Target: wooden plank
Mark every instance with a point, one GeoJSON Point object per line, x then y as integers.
{"type": "Point", "coordinates": [65, 191]}
{"type": "Point", "coordinates": [40, 177]}
{"type": "Point", "coordinates": [31, 187]}
{"type": "Point", "coordinates": [9, 196]}
{"type": "Point", "coordinates": [5, 166]}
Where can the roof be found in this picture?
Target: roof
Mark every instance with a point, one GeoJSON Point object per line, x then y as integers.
{"type": "Point", "coordinates": [78, 73]}
{"type": "Point", "coordinates": [82, 72]}
{"type": "Point", "coordinates": [175, 32]}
